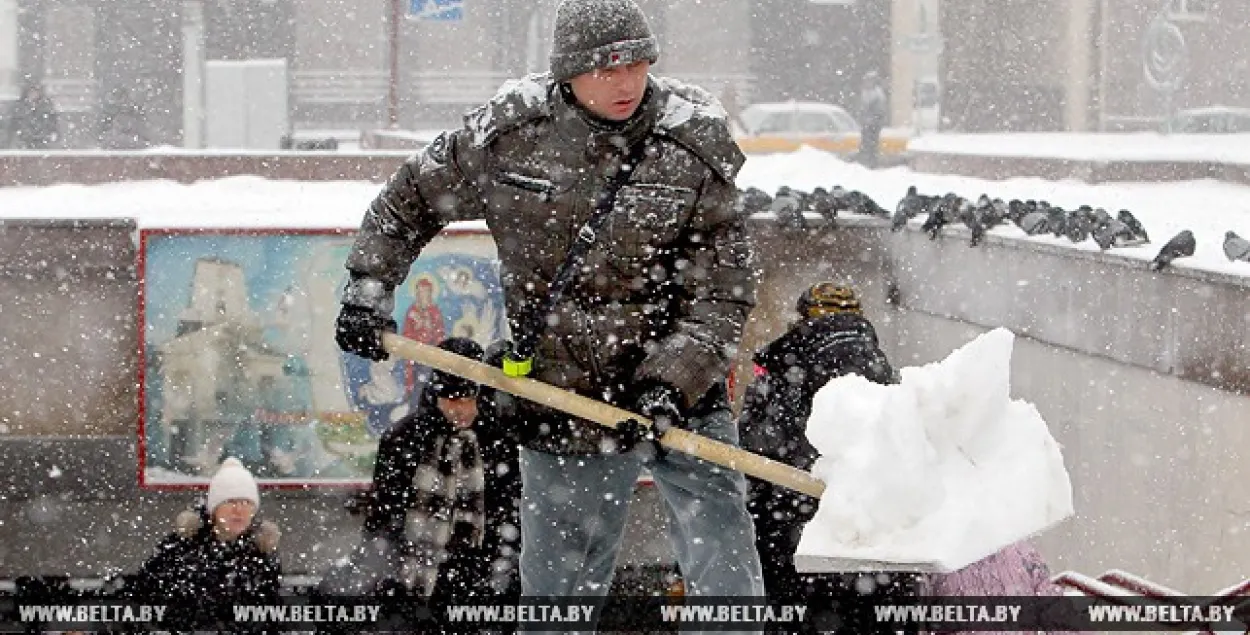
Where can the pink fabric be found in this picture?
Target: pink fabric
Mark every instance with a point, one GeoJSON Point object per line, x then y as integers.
{"type": "Point", "coordinates": [1016, 570]}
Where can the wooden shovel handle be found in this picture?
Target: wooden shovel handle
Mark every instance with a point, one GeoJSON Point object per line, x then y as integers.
{"type": "Point", "coordinates": [602, 413]}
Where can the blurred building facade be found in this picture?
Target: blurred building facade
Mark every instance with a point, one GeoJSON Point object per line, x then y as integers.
{"type": "Point", "coordinates": [1081, 64]}
{"type": "Point", "coordinates": [970, 65]}
{"type": "Point", "coordinates": [92, 54]}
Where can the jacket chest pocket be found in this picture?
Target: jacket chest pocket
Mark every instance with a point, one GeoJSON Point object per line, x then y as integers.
{"type": "Point", "coordinates": [533, 214]}
{"type": "Point", "coordinates": [646, 222]}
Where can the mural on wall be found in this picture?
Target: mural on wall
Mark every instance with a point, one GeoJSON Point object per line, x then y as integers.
{"type": "Point", "coordinates": [240, 358]}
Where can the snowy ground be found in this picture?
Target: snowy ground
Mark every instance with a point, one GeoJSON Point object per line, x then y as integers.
{"type": "Point", "coordinates": [1208, 208]}
{"type": "Point", "coordinates": [1137, 146]}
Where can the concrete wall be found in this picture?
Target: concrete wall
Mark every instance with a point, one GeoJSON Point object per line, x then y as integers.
{"type": "Point", "coordinates": [1115, 358]}
{"type": "Point", "coordinates": [69, 334]}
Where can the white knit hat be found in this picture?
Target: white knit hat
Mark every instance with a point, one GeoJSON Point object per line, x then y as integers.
{"type": "Point", "coordinates": [231, 481]}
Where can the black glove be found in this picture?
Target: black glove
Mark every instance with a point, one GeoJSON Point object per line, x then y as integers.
{"type": "Point", "coordinates": [500, 405]}
{"type": "Point", "coordinates": [660, 402]}
{"type": "Point", "coordinates": [359, 330]}
{"type": "Point", "coordinates": [630, 433]}
{"type": "Point", "coordinates": [494, 354]}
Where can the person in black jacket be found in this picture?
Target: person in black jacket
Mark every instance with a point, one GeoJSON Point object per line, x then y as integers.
{"type": "Point", "coordinates": [441, 521]}
{"type": "Point", "coordinates": [429, 490]}
{"type": "Point", "coordinates": [219, 555]}
{"type": "Point", "coordinates": [831, 338]}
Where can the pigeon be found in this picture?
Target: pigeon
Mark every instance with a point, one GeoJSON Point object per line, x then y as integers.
{"type": "Point", "coordinates": [908, 208]}
{"type": "Point", "coordinates": [1101, 217]}
{"type": "Point", "coordinates": [970, 216]}
{"type": "Point", "coordinates": [1034, 223]}
{"type": "Point", "coordinates": [996, 214]}
{"type": "Point", "coordinates": [1139, 231]}
{"type": "Point", "coordinates": [754, 200]}
{"type": "Point", "coordinates": [1057, 221]}
{"type": "Point", "coordinates": [822, 203]}
{"type": "Point", "coordinates": [941, 213]}
{"type": "Point", "coordinates": [1016, 209]}
{"type": "Point", "coordinates": [901, 216]}
{"type": "Point", "coordinates": [1236, 247]}
{"type": "Point", "coordinates": [788, 207]}
{"type": "Point", "coordinates": [863, 204]}
{"type": "Point", "coordinates": [1080, 223]}
{"type": "Point", "coordinates": [1181, 245]}
{"type": "Point", "coordinates": [1112, 233]}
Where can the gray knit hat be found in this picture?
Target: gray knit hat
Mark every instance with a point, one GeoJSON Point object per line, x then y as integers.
{"type": "Point", "coordinates": [594, 34]}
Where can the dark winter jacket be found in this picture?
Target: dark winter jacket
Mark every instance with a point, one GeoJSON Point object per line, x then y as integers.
{"type": "Point", "coordinates": [191, 568]}
{"type": "Point", "coordinates": [497, 431]}
{"type": "Point", "coordinates": [668, 284]}
{"type": "Point", "coordinates": [789, 372]}
{"type": "Point", "coordinates": [409, 444]}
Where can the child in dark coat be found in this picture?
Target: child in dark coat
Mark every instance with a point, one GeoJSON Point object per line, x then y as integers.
{"type": "Point", "coordinates": [219, 555]}
{"type": "Point", "coordinates": [832, 338]}
{"type": "Point", "coordinates": [441, 517]}
{"type": "Point", "coordinates": [428, 489]}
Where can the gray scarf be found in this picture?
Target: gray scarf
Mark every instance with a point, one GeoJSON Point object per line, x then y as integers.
{"type": "Point", "coordinates": [448, 505]}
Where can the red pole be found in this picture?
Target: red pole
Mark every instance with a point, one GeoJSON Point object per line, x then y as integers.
{"type": "Point", "coordinates": [392, 97]}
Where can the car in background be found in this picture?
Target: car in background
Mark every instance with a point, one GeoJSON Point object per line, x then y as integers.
{"type": "Point", "coordinates": [786, 126]}
{"type": "Point", "coordinates": [1210, 120]}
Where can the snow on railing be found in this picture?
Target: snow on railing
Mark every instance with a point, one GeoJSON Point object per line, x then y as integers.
{"type": "Point", "coordinates": [1121, 587]}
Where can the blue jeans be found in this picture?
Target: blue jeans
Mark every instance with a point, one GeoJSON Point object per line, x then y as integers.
{"type": "Point", "coordinates": [573, 512]}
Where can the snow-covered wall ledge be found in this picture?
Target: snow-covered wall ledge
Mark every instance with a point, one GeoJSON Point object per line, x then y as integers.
{"type": "Point", "coordinates": [18, 168]}
{"type": "Point", "coordinates": [1092, 157]}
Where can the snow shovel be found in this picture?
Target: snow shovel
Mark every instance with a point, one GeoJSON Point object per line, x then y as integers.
{"type": "Point", "coordinates": [604, 414]}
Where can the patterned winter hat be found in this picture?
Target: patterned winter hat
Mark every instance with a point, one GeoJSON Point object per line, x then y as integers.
{"type": "Point", "coordinates": [232, 481]}
{"type": "Point", "coordinates": [594, 34]}
{"type": "Point", "coordinates": [824, 298]}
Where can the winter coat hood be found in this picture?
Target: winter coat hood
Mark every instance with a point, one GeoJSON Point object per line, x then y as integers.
{"type": "Point", "coordinates": [206, 576]}
{"type": "Point", "coordinates": [191, 522]}
{"type": "Point", "coordinates": [822, 346]}
{"type": "Point", "coordinates": [795, 366]}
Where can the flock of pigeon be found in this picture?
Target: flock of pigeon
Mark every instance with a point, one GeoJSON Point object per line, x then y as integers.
{"type": "Point", "coordinates": [1032, 217]}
